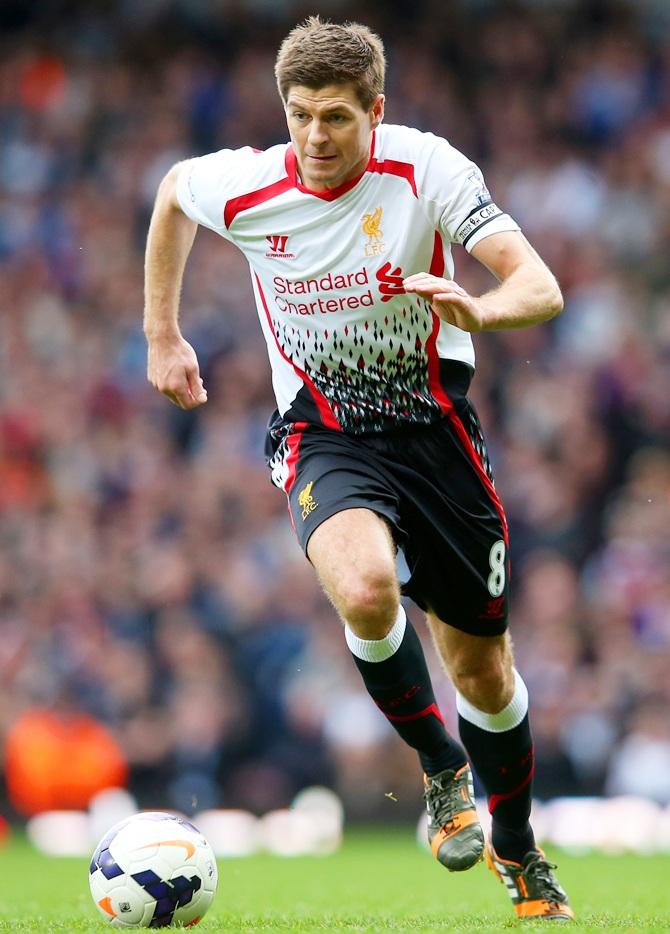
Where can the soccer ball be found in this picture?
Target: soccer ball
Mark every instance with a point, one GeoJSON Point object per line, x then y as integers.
{"type": "Point", "coordinates": [153, 870]}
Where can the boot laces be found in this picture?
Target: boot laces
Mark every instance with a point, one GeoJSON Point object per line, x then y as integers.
{"type": "Point", "coordinates": [540, 871]}
{"type": "Point", "coordinates": [442, 796]}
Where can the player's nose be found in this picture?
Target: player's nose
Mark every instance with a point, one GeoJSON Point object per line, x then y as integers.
{"type": "Point", "coordinates": [317, 134]}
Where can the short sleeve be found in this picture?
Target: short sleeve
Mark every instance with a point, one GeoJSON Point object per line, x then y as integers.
{"type": "Point", "coordinates": [470, 213]}
{"type": "Point", "coordinates": [206, 183]}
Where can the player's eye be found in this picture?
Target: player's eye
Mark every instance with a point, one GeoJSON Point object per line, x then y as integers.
{"type": "Point", "coordinates": [337, 118]}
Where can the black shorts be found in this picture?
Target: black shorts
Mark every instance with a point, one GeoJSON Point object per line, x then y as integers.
{"type": "Point", "coordinates": [433, 485]}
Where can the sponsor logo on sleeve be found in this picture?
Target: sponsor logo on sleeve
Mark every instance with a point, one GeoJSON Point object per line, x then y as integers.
{"type": "Point", "coordinates": [478, 218]}
{"type": "Point", "coordinates": [483, 195]}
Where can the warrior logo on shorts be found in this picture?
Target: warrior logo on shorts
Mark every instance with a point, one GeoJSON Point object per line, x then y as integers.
{"type": "Point", "coordinates": [372, 228]}
{"type": "Point", "coordinates": [306, 500]}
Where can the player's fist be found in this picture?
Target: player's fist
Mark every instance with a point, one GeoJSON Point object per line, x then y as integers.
{"type": "Point", "coordinates": [172, 367]}
{"type": "Point", "coordinates": [448, 300]}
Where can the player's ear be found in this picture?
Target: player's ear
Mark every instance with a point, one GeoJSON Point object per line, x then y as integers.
{"type": "Point", "coordinates": [377, 111]}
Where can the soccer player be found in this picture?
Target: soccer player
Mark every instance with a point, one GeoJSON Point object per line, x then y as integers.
{"type": "Point", "coordinates": [348, 230]}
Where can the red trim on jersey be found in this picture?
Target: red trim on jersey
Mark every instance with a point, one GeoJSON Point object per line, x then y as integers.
{"type": "Point", "coordinates": [325, 411]}
{"type": "Point", "coordinates": [292, 180]}
{"type": "Point", "coordinates": [385, 167]}
{"type": "Point", "coordinates": [437, 261]}
{"type": "Point", "coordinates": [436, 388]}
{"type": "Point", "coordinates": [252, 198]}
{"type": "Point", "coordinates": [447, 407]}
{"type": "Point", "coordinates": [393, 167]}
{"type": "Point", "coordinates": [408, 718]}
{"type": "Point", "coordinates": [331, 193]}
{"type": "Point", "coordinates": [293, 446]}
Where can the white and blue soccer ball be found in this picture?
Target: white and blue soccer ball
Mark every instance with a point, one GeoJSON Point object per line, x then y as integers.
{"type": "Point", "coordinates": [153, 870]}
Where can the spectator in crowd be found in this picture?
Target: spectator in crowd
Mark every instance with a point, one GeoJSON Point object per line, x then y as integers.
{"type": "Point", "coordinates": [58, 759]}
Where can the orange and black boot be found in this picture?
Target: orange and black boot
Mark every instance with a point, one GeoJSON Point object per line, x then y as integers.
{"type": "Point", "coordinates": [454, 832]}
{"type": "Point", "coordinates": [532, 886]}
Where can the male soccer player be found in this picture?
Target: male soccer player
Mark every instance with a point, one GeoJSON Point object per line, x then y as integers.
{"type": "Point", "coordinates": [348, 230]}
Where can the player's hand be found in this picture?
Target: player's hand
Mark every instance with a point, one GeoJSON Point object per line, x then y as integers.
{"type": "Point", "coordinates": [448, 300]}
{"type": "Point", "coordinates": [172, 367]}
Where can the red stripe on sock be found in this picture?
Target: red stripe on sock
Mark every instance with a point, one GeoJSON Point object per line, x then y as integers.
{"type": "Point", "coordinates": [495, 800]}
{"type": "Point", "coordinates": [407, 718]}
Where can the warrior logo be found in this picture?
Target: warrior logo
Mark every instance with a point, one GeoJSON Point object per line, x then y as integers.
{"type": "Point", "coordinates": [278, 244]}
{"type": "Point", "coordinates": [306, 500]}
{"type": "Point", "coordinates": [371, 227]}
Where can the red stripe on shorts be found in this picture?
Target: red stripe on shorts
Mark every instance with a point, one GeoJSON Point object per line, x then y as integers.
{"type": "Point", "coordinates": [447, 407]}
{"type": "Point", "coordinates": [293, 453]}
{"type": "Point", "coordinates": [464, 437]}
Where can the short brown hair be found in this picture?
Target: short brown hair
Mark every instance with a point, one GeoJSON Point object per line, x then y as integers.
{"type": "Point", "coordinates": [318, 53]}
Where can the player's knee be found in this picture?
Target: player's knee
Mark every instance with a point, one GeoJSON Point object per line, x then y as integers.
{"type": "Point", "coordinates": [485, 682]}
{"type": "Point", "coordinates": [369, 603]}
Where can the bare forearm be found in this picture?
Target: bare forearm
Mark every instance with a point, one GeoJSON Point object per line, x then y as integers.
{"type": "Point", "coordinates": [528, 296]}
{"type": "Point", "coordinates": [169, 243]}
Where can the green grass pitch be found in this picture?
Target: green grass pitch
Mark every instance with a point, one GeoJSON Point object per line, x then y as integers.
{"type": "Point", "coordinates": [378, 881]}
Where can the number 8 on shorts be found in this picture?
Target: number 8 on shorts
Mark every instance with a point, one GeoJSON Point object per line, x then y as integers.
{"type": "Point", "coordinates": [496, 581]}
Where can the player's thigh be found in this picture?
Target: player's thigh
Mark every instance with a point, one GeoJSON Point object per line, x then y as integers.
{"type": "Point", "coordinates": [353, 553]}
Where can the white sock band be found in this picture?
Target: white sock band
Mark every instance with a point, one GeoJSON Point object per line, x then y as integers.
{"type": "Point", "coordinates": [509, 717]}
{"type": "Point", "coordinates": [378, 650]}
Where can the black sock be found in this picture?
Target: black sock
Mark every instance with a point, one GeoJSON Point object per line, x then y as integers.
{"type": "Point", "coordinates": [400, 686]}
{"type": "Point", "coordinates": [505, 763]}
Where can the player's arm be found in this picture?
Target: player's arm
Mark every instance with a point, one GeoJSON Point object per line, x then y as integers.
{"type": "Point", "coordinates": [172, 366]}
{"type": "Point", "coordinates": [528, 292]}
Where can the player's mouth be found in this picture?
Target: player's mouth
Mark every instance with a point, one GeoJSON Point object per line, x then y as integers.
{"type": "Point", "coordinates": [321, 158]}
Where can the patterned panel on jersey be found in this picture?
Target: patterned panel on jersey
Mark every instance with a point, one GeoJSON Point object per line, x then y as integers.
{"type": "Point", "coordinates": [374, 373]}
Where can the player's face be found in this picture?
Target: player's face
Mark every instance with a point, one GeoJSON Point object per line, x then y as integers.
{"type": "Point", "coordinates": [331, 133]}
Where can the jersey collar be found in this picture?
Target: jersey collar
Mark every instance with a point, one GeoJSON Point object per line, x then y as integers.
{"type": "Point", "coordinates": [332, 193]}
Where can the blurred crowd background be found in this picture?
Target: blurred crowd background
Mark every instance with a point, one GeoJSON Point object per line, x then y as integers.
{"type": "Point", "coordinates": [158, 622]}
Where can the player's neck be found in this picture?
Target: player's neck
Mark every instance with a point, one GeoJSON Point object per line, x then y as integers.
{"type": "Point", "coordinates": [322, 185]}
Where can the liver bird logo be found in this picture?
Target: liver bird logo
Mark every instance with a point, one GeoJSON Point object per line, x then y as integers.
{"type": "Point", "coordinates": [305, 495]}
{"type": "Point", "coordinates": [372, 225]}
{"type": "Point", "coordinates": [306, 500]}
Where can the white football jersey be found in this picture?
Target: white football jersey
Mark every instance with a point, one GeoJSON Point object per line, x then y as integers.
{"type": "Point", "coordinates": [349, 349]}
